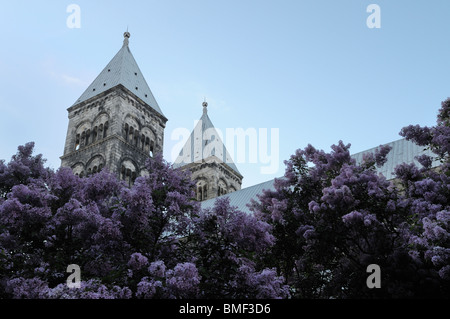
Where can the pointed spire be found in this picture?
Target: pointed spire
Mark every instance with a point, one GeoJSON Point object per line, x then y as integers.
{"type": "Point", "coordinates": [204, 143]}
{"type": "Point", "coordinates": [205, 105]}
{"type": "Point", "coordinates": [126, 36]}
{"type": "Point", "coordinates": [122, 69]}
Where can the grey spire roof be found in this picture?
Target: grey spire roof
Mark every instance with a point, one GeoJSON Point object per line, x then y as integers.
{"type": "Point", "coordinates": [204, 142]}
{"type": "Point", "coordinates": [122, 69]}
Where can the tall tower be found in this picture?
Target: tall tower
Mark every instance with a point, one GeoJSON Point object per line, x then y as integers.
{"type": "Point", "coordinates": [116, 123]}
{"type": "Point", "coordinates": [211, 166]}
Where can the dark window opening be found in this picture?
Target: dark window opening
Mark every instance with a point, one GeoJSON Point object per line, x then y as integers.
{"type": "Point", "coordinates": [105, 129]}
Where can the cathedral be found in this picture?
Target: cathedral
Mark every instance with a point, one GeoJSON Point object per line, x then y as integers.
{"type": "Point", "coordinates": [117, 124]}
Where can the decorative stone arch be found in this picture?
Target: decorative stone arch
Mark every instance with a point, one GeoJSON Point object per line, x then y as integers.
{"type": "Point", "coordinates": [130, 128]}
{"type": "Point", "coordinates": [128, 170]}
{"type": "Point", "coordinates": [202, 188]}
{"type": "Point", "coordinates": [95, 164]}
{"type": "Point", "coordinates": [148, 140]}
{"type": "Point", "coordinates": [101, 118]}
{"type": "Point", "coordinates": [100, 126]}
{"type": "Point", "coordinates": [81, 134]}
{"type": "Point", "coordinates": [222, 187]}
{"type": "Point", "coordinates": [83, 126]}
{"type": "Point", "coordinates": [78, 169]}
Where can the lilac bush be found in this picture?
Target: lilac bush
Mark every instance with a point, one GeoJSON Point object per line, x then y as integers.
{"type": "Point", "coordinates": [158, 210]}
{"type": "Point", "coordinates": [49, 220]}
{"type": "Point", "coordinates": [427, 194]}
{"type": "Point", "coordinates": [142, 241]}
{"type": "Point", "coordinates": [181, 282]}
{"type": "Point", "coordinates": [224, 244]}
{"type": "Point", "coordinates": [332, 217]}
{"type": "Point", "coordinates": [23, 168]}
{"type": "Point", "coordinates": [312, 237]}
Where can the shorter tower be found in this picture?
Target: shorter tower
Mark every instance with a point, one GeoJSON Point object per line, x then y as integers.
{"type": "Point", "coordinates": [211, 166]}
{"type": "Point", "coordinates": [116, 123]}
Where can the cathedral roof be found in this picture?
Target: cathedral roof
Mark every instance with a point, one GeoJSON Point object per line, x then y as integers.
{"type": "Point", "coordinates": [204, 143]}
{"type": "Point", "coordinates": [402, 151]}
{"type": "Point", "coordinates": [241, 199]}
{"type": "Point", "coordinates": [122, 69]}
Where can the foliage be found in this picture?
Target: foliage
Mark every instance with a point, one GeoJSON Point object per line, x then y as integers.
{"type": "Point", "coordinates": [313, 236]}
{"type": "Point", "coordinates": [333, 217]}
{"type": "Point", "coordinates": [146, 241]}
{"type": "Point", "coordinates": [225, 241]}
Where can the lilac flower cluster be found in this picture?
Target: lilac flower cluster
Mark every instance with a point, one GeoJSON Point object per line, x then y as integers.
{"type": "Point", "coordinates": [147, 241]}
{"type": "Point", "coordinates": [224, 244]}
{"type": "Point", "coordinates": [331, 218]}
{"type": "Point", "coordinates": [312, 237]}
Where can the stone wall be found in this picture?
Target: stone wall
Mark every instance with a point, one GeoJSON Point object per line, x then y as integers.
{"type": "Point", "coordinates": [213, 178]}
{"type": "Point", "coordinates": [114, 129]}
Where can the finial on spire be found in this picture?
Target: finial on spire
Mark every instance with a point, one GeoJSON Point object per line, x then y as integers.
{"type": "Point", "coordinates": [205, 105]}
{"type": "Point", "coordinates": [126, 36]}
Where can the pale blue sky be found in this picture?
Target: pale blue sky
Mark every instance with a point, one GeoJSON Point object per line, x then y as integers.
{"type": "Point", "coordinates": [311, 68]}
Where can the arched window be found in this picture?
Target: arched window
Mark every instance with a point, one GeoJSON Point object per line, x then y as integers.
{"type": "Point", "coordinates": [128, 172]}
{"type": "Point", "coordinates": [125, 132]}
{"type": "Point", "coordinates": [122, 173]}
{"type": "Point", "coordinates": [131, 134]}
{"type": "Point", "coordinates": [205, 191]}
{"type": "Point", "coordinates": [136, 138]}
{"type": "Point", "coordinates": [77, 142]}
{"type": "Point", "coordinates": [94, 134]}
{"type": "Point", "coordinates": [152, 147]}
{"type": "Point", "coordinates": [105, 129]}
{"type": "Point", "coordinates": [83, 139]}
{"type": "Point", "coordinates": [147, 145]}
{"type": "Point", "coordinates": [201, 190]}
{"type": "Point", "coordinates": [128, 177]}
{"type": "Point", "coordinates": [221, 188]}
{"type": "Point", "coordinates": [200, 194]}
{"type": "Point", "coordinates": [88, 135]}
{"type": "Point", "coordinates": [142, 141]}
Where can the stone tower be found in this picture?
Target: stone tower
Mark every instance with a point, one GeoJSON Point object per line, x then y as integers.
{"type": "Point", "coordinates": [211, 166]}
{"type": "Point", "coordinates": [116, 123]}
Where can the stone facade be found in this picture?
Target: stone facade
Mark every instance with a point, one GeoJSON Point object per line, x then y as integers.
{"type": "Point", "coordinates": [213, 178]}
{"type": "Point", "coordinates": [113, 130]}
{"type": "Point", "coordinates": [116, 124]}
{"type": "Point", "coordinates": [211, 166]}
